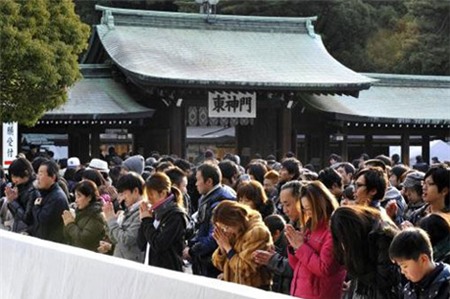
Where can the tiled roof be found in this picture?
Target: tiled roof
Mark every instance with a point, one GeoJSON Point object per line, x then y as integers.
{"type": "Point", "coordinates": [99, 99]}
{"type": "Point", "coordinates": [179, 49]}
{"type": "Point", "coordinates": [394, 99]}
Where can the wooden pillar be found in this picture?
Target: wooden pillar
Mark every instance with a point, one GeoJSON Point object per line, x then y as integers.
{"type": "Point", "coordinates": [79, 145]}
{"type": "Point", "coordinates": [368, 149]}
{"type": "Point", "coordinates": [244, 143]}
{"type": "Point", "coordinates": [95, 143]}
{"type": "Point", "coordinates": [285, 131]}
{"type": "Point", "coordinates": [344, 147]}
{"type": "Point", "coordinates": [405, 149]}
{"type": "Point", "coordinates": [177, 130]}
{"type": "Point", "coordinates": [426, 148]}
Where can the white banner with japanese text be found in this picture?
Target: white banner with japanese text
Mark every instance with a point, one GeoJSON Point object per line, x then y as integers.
{"type": "Point", "coordinates": [10, 144]}
{"type": "Point", "coordinates": [232, 104]}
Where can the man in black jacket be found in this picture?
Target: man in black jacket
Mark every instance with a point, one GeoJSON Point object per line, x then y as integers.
{"type": "Point", "coordinates": [48, 209]}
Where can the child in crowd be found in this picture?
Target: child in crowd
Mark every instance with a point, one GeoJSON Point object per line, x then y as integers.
{"type": "Point", "coordinates": [412, 251]}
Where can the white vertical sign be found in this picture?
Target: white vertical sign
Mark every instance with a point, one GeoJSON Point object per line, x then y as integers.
{"type": "Point", "coordinates": [10, 144]}
{"type": "Point", "coordinates": [232, 104]}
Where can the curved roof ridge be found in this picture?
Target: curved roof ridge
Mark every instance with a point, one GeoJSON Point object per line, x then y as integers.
{"type": "Point", "coordinates": [232, 55]}
{"type": "Point", "coordinates": [134, 17]}
{"type": "Point", "coordinates": [410, 80]}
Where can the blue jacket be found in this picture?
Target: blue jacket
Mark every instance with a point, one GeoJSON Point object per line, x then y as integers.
{"type": "Point", "coordinates": [202, 245]}
{"type": "Point", "coordinates": [435, 285]}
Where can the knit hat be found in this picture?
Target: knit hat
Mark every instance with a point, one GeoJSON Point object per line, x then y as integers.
{"type": "Point", "coordinates": [413, 179]}
{"type": "Point", "coordinates": [135, 163]}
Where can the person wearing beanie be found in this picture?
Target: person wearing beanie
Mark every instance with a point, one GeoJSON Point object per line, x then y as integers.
{"type": "Point", "coordinates": [135, 163]}
{"type": "Point", "coordinates": [412, 188]}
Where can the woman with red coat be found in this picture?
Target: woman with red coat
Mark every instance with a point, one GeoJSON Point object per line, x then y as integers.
{"type": "Point", "coordinates": [317, 274]}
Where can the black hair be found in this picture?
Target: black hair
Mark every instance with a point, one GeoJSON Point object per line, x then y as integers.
{"type": "Point", "coordinates": [275, 222]}
{"type": "Point", "coordinates": [375, 178]}
{"type": "Point", "coordinates": [294, 186]}
{"type": "Point", "coordinates": [183, 164]}
{"type": "Point", "coordinates": [175, 175]}
{"type": "Point", "coordinates": [21, 167]}
{"type": "Point", "coordinates": [52, 168]}
{"type": "Point", "coordinates": [395, 159]}
{"type": "Point", "coordinates": [348, 167]}
{"type": "Point", "coordinates": [210, 171]}
{"type": "Point", "coordinates": [409, 244]}
{"type": "Point", "coordinates": [441, 177]}
{"type": "Point", "coordinates": [163, 166]}
{"type": "Point", "coordinates": [335, 157]}
{"type": "Point", "coordinates": [229, 169]}
{"type": "Point", "coordinates": [293, 166]}
{"type": "Point", "coordinates": [95, 176]}
{"type": "Point", "coordinates": [387, 161]}
{"type": "Point", "coordinates": [88, 189]}
{"type": "Point", "coordinates": [257, 170]}
{"type": "Point", "coordinates": [36, 163]}
{"type": "Point", "coordinates": [231, 157]}
{"type": "Point", "coordinates": [329, 177]}
{"type": "Point", "coordinates": [130, 181]}
{"type": "Point", "coordinates": [436, 226]}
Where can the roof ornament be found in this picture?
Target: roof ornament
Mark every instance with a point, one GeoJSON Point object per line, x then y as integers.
{"type": "Point", "coordinates": [208, 7]}
{"type": "Point", "coordinates": [108, 19]}
{"type": "Point", "coordinates": [310, 28]}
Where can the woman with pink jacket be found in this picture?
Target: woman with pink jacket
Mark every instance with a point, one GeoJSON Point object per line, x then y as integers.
{"type": "Point", "coordinates": [317, 274]}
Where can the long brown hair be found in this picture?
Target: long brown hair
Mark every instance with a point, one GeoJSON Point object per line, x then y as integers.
{"type": "Point", "coordinates": [160, 182]}
{"type": "Point", "coordinates": [322, 201]}
{"type": "Point", "coordinates": [253, 191]}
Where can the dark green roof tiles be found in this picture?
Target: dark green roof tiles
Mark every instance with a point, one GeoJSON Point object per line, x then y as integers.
{"type": "Point", "coordinates": [235, 52]}
{"type": "Point", "coordinates": [99, 98]}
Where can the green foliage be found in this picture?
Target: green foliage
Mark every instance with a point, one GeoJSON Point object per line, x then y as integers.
{"type": "Point", "coordinates": [40, 41]}
{"type": "Point", "coordinates": [430, 51]}
{"type": "Point", "coordinates": [346, 29]}
{"type": "Point", "coordinates": [386, 49]}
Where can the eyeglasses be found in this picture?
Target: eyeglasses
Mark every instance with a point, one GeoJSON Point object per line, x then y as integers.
{"type": "Point", "coordinates": [358, 185]}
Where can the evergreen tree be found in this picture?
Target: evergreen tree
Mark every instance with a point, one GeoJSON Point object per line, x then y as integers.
{"type": "Point", "coordinates": [429, 53]}
{"type": "Point", "coordinates": [40, 44]}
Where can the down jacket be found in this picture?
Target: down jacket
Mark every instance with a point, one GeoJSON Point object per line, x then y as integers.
{"type": "Point", "coordinates": [88, 228]}
{"type": "Point", "coordinates": [316, 272]}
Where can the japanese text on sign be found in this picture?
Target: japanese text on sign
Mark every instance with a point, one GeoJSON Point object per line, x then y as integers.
{"type": "Point", "coordinates": [9, 146]}
{"type": "Point", "coordinates": [232, 104]}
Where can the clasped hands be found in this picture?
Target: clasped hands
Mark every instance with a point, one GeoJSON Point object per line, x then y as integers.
{"type": "Point", "coordinates": [294, 237]}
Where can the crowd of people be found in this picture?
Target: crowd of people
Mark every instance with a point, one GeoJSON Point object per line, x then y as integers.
{"type": "Point", "coordinates": [349, 230]}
